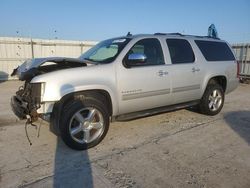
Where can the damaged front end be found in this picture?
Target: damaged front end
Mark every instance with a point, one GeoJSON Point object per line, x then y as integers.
{"type": "Point", "coordinates": [27, 100]}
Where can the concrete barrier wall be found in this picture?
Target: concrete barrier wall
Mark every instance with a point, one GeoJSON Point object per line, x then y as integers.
{"type": "Point", "coordinates": [14, 51]}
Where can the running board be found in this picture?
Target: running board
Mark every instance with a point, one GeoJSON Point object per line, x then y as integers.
{"type": "Point", "coordinates": [150, 112]}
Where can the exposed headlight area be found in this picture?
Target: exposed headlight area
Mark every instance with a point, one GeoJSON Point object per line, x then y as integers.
{"type": "Point", "coordinates": [32, 93]}
{"type": "Point", "coordinates": [28, 100]}
{"type": "Point", "coordinates": [36, 92]}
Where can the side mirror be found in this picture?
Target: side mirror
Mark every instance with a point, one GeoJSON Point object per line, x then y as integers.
{"type": "Point", "coordinates": [136, 59]}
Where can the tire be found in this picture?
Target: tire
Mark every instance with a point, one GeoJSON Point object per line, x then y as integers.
{"type": "Point", "coordinates": [84, 122]}
{"type": "Point", "coordinates": [212, 100]}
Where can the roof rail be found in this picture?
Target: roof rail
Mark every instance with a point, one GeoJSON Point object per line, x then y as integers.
{"type": "Point", "coordinates": [187, 35]}
{"type": "Point", "coordinates": [168, 34]}
{"type": "Point", "coordinates": [210, 37]}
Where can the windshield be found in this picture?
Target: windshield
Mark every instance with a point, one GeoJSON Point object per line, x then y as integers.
{"type": "Point", "coordinates": [105, 51]}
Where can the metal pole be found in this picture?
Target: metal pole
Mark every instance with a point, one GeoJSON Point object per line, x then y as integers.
{"type": "Point", "coordinates": [243, 60]}
{"type": "Point", "coordinates": [32, 48]}
{"type": "Point", "coordinates": [248, 64]}
{"type": "Point", "coordinates": [81, 44]}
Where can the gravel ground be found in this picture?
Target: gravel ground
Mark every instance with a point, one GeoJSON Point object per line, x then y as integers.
{"type": "Point", "coordinates": [176, 149]}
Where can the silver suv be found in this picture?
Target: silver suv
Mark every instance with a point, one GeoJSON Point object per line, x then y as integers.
{"type": "Point", "coordinates": [124, 78]}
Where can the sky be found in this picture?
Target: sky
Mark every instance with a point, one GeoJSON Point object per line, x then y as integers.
{"type": "Point", "coordinates": [98, 19]}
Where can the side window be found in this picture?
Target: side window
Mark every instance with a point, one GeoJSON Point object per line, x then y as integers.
{"type": "Point", "coordinates": [151, 48]}
{"type": "Point", "coordinates": [180, 51]}
{"type": "Point", "coordinates": [215, 51]}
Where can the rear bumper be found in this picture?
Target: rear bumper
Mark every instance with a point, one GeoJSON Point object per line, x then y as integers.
{"type": "Point", "coordinates": [19, 107]}
{"type": "Point", "coordinates": [232, 85]}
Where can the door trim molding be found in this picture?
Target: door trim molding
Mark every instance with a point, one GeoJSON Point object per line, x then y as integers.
{"type": "Point", "coordinates": [186, 88]}
{"type": "Point", "coordinates": [145, 94]}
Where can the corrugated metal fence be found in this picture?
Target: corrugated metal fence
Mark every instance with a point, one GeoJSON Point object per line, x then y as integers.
{"type": "Point", "coordinates": [242, 52]}
{"type": "Point", "coordinates": [14, 51]}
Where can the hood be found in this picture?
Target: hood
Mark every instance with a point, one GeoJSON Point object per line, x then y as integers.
{"type": "Point", "coordinates": [33, 67]}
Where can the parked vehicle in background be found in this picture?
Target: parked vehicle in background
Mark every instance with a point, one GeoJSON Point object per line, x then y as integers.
{"type": "Point", "coordinates": [125, 78]}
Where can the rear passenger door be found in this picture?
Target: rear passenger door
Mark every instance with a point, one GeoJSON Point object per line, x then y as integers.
{"type": "Point", "coordinates": [186, 71]}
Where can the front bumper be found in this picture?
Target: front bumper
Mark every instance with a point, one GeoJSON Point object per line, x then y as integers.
{"type": "Point", "coordinates": [19, 107]}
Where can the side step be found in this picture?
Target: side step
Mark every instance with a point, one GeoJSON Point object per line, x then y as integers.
{"type": "Point", "coordinates": [150, 112]}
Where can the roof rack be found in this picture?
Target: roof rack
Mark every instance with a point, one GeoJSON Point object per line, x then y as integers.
{"type": "Point", "coordinates": [168, 34]}
{"type": "Point", "coordinates": [187, 35]}
{"type": "Point", "coordinates": [203, 36]}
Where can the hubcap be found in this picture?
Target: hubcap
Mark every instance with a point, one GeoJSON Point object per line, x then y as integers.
{"type": "Point", "coordinates": [86, 125]}
{"type": "Point", "coordinates": [215, 100]}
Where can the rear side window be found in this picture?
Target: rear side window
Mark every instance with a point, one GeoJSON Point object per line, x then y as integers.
{"type": "Point", "coordinates": [215, 51]}
{"type": "Point", "coordinates": [180, 51]}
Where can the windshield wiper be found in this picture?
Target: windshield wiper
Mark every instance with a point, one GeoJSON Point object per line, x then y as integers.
{"type": "Point", "coordinates": [90, 61]}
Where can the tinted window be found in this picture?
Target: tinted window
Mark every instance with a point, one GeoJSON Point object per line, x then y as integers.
{"type": "Point", "coordinates": [180, 51]}
{"type": "Point", "coordinates": [151, 48]}
{"type": "Point", "coordinates": [215, 51]}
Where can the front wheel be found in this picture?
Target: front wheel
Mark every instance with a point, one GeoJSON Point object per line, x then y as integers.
{"type": "Point", "coordinates": [84, 123]}
{"type": "Point", "coordinates": [212, 100]}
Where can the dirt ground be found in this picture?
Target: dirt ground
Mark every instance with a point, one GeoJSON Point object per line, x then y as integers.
{"type": "Point", "coordinates": [176, 149]}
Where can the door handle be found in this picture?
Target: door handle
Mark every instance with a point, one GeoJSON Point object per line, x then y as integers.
{"type": "Point", "coordinates": [195, 70]}
{"type": "Point", "coordinates": [162, 73]}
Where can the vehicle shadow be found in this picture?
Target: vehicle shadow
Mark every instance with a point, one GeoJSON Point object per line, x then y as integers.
{"type": "Point", "coordinates": [239, 121]}
{"type": "Point", "coordinates": [71, 168]}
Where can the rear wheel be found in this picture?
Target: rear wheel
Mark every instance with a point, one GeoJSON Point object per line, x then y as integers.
{"type": "Point", "coordinates": [212, 100]}
{"type": "Point", "coordinates": [84, 123]}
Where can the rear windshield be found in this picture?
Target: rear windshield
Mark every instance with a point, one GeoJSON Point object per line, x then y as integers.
{"type": "Point", "coordinates": [215, 51]}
